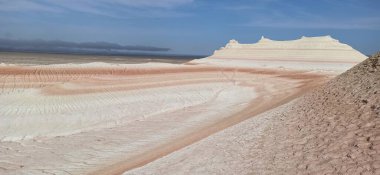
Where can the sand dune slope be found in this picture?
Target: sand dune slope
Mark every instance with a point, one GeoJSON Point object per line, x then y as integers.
{"type": "Point", "coordinates": [333, 130]}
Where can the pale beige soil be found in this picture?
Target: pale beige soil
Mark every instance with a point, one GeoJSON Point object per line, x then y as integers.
{"type": "Point", "coordinates": [334, 129]}
{"type": "Point", "coordinates": [264, 102]}
{"type": "Point", "coordinates": [106, 119]}
{"type": "Point", "coordinates": [197, 118]}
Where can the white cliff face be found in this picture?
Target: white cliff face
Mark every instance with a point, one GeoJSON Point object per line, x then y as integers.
{"type": "Point", "coordinates": [322, 48]}
{"type": "Point", "coordinates": [307, 53]}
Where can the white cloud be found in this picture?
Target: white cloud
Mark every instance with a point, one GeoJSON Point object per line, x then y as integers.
{"type": "Point", "coordinates": [291, 15]}
{"type": "Point", "coordinates": [150, 3]}
{"type": "Point", "coordinates": [356, 23]}
{"type": "Point", "coordinates": [111, 8]}
{"type": "Point", "coordinates": [25, 5]}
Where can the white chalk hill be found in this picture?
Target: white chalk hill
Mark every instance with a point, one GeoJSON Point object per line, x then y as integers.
{"type": "Point", "coordinates": [323, 53]}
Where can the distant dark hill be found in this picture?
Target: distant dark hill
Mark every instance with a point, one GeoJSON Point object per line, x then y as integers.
{"type": "Point", "coordinates": [58, 46]}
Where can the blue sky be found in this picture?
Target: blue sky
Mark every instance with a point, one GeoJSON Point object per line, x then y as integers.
{"type": "Point", "coordinates": [191, 26]}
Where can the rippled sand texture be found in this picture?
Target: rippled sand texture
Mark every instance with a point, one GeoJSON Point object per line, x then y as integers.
{"type": "Point", "coordinates": [334, 129]}
{"type": "Point", "coordinates": [109, 118]}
